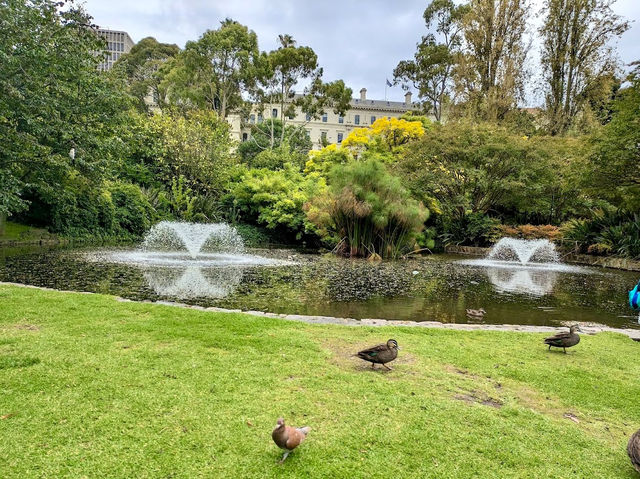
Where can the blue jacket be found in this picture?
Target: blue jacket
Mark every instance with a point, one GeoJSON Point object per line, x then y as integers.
{"type": "Point", "coordinates": [634, 297]}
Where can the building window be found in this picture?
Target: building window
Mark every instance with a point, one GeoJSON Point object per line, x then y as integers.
{"type": "Point", "coordinates": [308, 117]}
{"type": "Point", "coordinates": [323, 137]}
{"type": "Point", "coordinates": [259, 117]}
{"type": "Point", "coordinates": [274, 113]}
{"type": "Point", "coordinates": [324, 118]}
{"type": "Point", "coordinates": [356, 119]}
{"type": "Point", "coordinates": [245, 137]}
{"type": "Point", "coordinates": [341, 119]}
{"type": "Point", "coordinates": [339, 138]}
{"type": "Point", "coordinates": [373, 119]}
{"type": "Point", "coordinates": [252, 118]}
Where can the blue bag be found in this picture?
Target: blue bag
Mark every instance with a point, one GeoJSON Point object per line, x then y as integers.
{"type": "Point", "coordinates": [634, 297]}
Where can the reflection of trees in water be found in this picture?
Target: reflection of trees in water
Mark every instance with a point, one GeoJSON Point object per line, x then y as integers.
{"type": "Point", "coordinates": [194, 282]}
{"type": "Point", "coordinates": [361, 281]}
{"type": "Point", "coordinates": [534, 282]}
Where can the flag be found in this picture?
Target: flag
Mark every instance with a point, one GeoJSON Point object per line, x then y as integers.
{"type": "Point", "coordinates": [389, 83]}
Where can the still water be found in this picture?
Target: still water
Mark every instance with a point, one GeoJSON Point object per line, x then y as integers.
{"type": "Point", "coordinates": [430, 288]}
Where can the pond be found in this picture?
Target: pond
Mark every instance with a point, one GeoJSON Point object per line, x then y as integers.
{"type": "Point", "coordinates": [429, 288]}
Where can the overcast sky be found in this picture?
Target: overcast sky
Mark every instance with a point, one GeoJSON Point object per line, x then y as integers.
{"type": "Point", "coordinates": [359, 41]}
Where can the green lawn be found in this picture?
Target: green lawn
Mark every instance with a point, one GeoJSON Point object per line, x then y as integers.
{"type": "Point", "coordinates": [93, 387]}
{"type": "Point", "coordinates": [17, 232]}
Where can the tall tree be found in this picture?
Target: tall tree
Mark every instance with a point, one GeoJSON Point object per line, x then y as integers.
{"type": "Point", "coordinates": [491, 72]}
{"type": "Point", "coordinates": [279, 72]}
{"type": "Point", "coordinates": [142, 68]}
{"type": "Point", "coordinates": [431, 69]}
{"type": "Point", "coordinates": [214, 71]}
{"type": "Point", "coordinates": [576, 56]}
{"type": "Point", "coordinates": [57, 112]}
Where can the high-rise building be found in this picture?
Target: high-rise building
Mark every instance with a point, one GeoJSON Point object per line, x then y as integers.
{"type": "Point", "coordinates": [118, 43]}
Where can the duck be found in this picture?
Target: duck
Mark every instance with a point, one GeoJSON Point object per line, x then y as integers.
{"type": "Point", "coordinates": [476, 313]}
{"type": "Point", "coordinates": [288, 437]}
{"type": "Point", "coordinates": [633, 449]}
{"type": "Point", "coordinates": [380, 354]}
{"type": "Point", "coordinates": [564, 340]}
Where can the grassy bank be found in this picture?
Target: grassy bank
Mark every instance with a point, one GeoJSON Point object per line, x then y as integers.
{"type": "Point", "coordinates": [93, 387]}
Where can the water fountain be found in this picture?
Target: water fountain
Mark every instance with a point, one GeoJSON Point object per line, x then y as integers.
{"type": "Point", "coordinates": [181, 244]}
{"type": "Point", "coordinates": [524, 251]}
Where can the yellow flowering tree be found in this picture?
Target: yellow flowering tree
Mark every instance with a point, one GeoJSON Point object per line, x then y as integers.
{"type": "Point", "coordinates": [386, 134]}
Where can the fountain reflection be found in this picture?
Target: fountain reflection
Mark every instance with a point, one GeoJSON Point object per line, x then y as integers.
{"type": "Point", "coordinates": [194, 282]}
{"type": "Point", "coordinates": [527, 281]}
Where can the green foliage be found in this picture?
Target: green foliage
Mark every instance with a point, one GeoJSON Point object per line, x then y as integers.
{"type": "Point", "coordinates": [474, 229]}
{"type": "Point", "coordinates": [268, 135]}
{"type": "Point", "coordinates": [614, 165]}
{"type": "Point", "coordinates": [431, 70]}
{"type": "Point", "coordinates": [368, 211]}
{"type": "Point", "coordinates": [195, 146]}
{"type": "Point", "coordinates": [275, 199]}
{"type": "Point", "coordinates": [606, 232]}
{"type": "Point", "coordinates": [132, 212]}
{"type": "Point", "coordinates": [212, 72]}
{"type": "Point", "coordinates": [142, 67]}
{"type": "Point", "coordinates": [53, 100]}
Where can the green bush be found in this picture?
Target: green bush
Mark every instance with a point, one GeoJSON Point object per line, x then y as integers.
{"type": "Point", "coordinates": [368, 211]}
{"type": "Point", "coordinates": [606, 232]}
{"type": "Point", "coordinates": [274, 199]}
{"type": "Point", "coordinates": [134, 214]}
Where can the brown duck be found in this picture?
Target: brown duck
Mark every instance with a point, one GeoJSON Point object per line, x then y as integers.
{"type": "Point", "coordinates": [633, 449]}
{"type": "Point", "coordinates": [287, 437]}
{"type": "Point", "coordinates": [381, 354]}
{"type": "Point", "coordinates": [564, 340]}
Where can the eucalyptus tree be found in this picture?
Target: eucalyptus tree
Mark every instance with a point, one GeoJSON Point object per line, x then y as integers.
{"type": "Point", "coordinates": [280, 72]}
{"type": "Point", "coordinates": [142, 67]}
{"type": "Point", "coordinates": [576, 56]}
{"type": "Point", "coordinates": [214, 71]}
{"type": "Point", "coordinates": [431, 70]}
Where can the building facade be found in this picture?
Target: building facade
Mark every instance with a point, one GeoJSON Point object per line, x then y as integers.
{"type": "Point", "coordinates": [330, 128]}
{"type": "Point", "coordinates": [118, 43]}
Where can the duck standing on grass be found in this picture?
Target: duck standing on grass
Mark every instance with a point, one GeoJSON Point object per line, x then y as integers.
{"type": "Point", "coordinates": [287, 437]}
{"type": "Point", "coordinates": [380, 354]}
{"type": "Point", "coordinates": [633, 449]}
{"type": "Point", "coordinates": [564, 340]}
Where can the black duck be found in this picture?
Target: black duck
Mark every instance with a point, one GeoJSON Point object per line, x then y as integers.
{"type": "Point", "coordinates": [381, 353]}
{"type": "Point", "coordinates": [564, 340]}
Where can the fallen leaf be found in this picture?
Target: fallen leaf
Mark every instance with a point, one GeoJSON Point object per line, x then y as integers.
{"type": "Point", "coordinates": [572, 417]}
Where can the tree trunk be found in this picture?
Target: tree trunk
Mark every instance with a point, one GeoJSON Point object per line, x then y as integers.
{"type": "Point", "coordinates": [3, 222]}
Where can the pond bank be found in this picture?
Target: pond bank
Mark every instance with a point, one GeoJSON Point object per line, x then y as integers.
{"type": "Point", "coordinates": [588, 328]}
{"type": "Point", "coordinates": [585, 259]}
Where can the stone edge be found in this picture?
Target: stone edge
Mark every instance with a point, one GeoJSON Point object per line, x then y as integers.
{"type": "Point", "coordinates": [587, 328]}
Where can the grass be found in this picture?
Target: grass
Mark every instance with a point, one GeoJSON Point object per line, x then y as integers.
{"type": "Point", "coordinates": [18, 232]}
{"type": "Point", "coordinates": [93, 387]}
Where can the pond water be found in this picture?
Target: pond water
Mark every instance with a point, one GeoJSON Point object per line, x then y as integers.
{"type": "Point", "coordinates": [430, 288]}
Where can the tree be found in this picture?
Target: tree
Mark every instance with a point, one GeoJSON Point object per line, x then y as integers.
{"type": "Point", "coordinates": [615, 161]}
{"type": "Point", "coordinates": [576, 57]}
{"type": "Point", "coordinates": [271, 134]}
{"type": "Point", "coordinates": [284, 68]}
{"type": "Point", "coordinates": [385, 135]}
{"type": "Point", "coordinates": [214, 71]}
{"type": "Point", "coordinates": [490, 73]}
{"type": "Point", "coordinates": [431, 69]}
{"type": "Point", "coordinates": [59, 116]}
{"type": "Point", "coordinates": [142, 68]}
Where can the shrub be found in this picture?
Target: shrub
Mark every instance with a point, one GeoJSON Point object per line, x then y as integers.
{"type": "Point", "coordinates": [368, 211]}
{"type": "Point", "coordinates": [133, 212]}
{"type": "Point", "coordinates": [549, 232]}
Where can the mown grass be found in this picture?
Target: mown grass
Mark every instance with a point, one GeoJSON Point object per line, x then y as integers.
{"type": "Point", "coordinates": [93, 387]}
{"type": "Point", "coordinates": [18, 232]}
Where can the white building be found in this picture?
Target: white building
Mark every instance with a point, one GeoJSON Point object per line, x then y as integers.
{"type": "Point", "coordinates": [334, 128]}
{"type": "Point", "coordinates": [118, 43]}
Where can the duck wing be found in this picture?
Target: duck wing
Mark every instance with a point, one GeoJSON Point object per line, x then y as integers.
{"type": "Point", "coordinates": [372, 352]}
{"type": "Point", "coordinates": [557, 339]}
